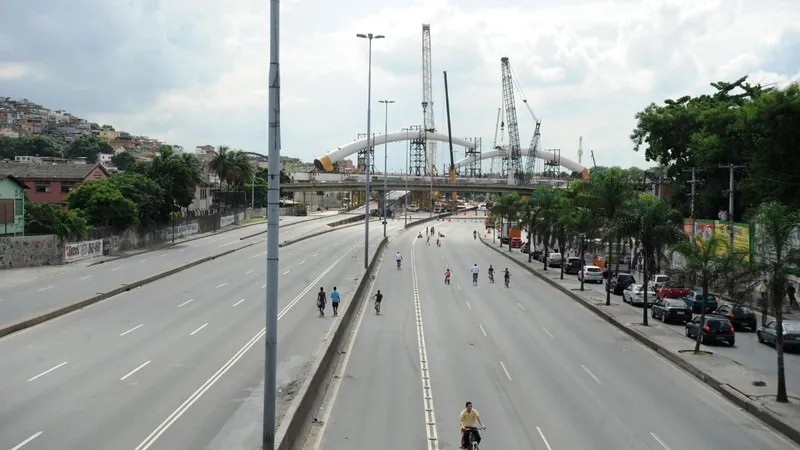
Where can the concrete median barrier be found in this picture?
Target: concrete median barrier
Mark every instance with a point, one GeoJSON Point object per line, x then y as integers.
{"type": "Point", "coordinates": [757, 410]}
{"type": "Point", "coordinates": [320, 233]}
{"type": "Point", "coordinates": [291, 430]}
{"type": "Point", "coordinates": [279, 226]}
{"type": "Point", "coordinates": [429, 219]}
{"type": "Point", "coordinates": [50, 315]}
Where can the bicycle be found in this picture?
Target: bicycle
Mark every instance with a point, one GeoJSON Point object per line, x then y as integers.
{"type": "Point", "coordinates": [377, 307]}
{"type": "Point", "coordinates": [398, 264]}
{"type": "Point", "coordinates": [474, 279]}
{"type": "Point", "coordinates": [491, 277]}
{"type": "Point", "coordinates": [447, 280]}
{"type": "Point", "coordinates": [472, 445]}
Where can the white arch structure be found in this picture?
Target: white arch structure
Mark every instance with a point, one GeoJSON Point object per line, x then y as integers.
{"type": "Point", "coordinates": [326, 161]}
{"type": "Point", "coordinates": [541, 154]}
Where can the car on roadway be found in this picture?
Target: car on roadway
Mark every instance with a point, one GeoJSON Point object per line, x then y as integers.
{"type": "Point", "coordinates": [621, 282]}
{"type": "Point", "coordinates": [554, 260]}
{"type": "Point", "coordinates": [516, 242]}
{"type": "Point", "coordinates": [634, 294]}
{"type": "Point", "coordinates": [658, 280]}
{"type": "Point", "coordinates": [572, 265]}
{"type": "Point", "coordinates": [413, 207]}
{"type": "Point", "coordinates": [739, 315]}
{"type": "Point", "coordinates": [591, 274]}
{"type": "Point", "coordinates": [791, 334]}
{"type": "Point", "coordinates": [673, 289]}
{"type": "Point", "coordinates": [695, 301]}
{"type": "Point", "coordinates": [671, 310]}
{"type": "Point", "coordinates": [715, 329]}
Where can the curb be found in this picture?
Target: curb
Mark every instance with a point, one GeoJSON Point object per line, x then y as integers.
{"type": "Point", "coordinates": [429, 219]}
{"type": "Point", "coordinates": [27, 323]}
{"type": "Point", "coordinates": [50, 315]}
{"type": "Point", "coordinates": [299, 410]}
{"type": "Point", "coordinates": [755, 409]}
{"type": "Point", "coordinates": [279, 226]}
{"type": "Point", "coordinates": [318, 233]}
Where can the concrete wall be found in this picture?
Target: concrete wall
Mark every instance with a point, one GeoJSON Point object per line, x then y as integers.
{"type": "Point", "coordinates": [30, 251]}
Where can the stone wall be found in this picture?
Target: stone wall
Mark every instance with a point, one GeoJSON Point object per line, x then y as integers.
{"type": "Point", "coordinates": [30, 251]}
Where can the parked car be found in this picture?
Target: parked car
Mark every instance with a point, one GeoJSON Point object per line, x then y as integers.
{"type": "Point", "coordinates": [413, 207]}
{"type": "Point", "coordinates": [715, 329]}
{"type": "Point", "coordinates": [516, 242]}
{"type": "Point", "coordinates": [554, 260]}
{"type": "Point", "coordinates": [791, 334]}
{"type": "Point", "coordinates": [695, 301]}
{"type": "Point", "coordinates": [671, 310]}
{"type": "Point", "coordinates": [572, 265]}
{"type": "Point", "coordinates": [526, 247]}
{"type": "Point", "coordinates": [504, 240]}
{"type": "Point", "coordinates": [621, 282]}
{"type": "Point", "coordinates": [673, 290]}
{"type": "Point", "coordinates": [537, 255]}
{"type": "Point", "coordinates": [591, 274]}
{"type": "Point", "coordinates": [659, 280]}
{"type": "Point", "coordinates": [634, 294]}
{"type": "Point", "coordinates": [740, 316]}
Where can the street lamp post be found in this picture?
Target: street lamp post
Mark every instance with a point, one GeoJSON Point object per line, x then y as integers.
{"type": "Point", "coordinates": [385, 158]}
{"type": "Point", "coordinates": [369, 36]}
{"type": "Point", "coordinates": [582, 237]}
{"type": "Point", "coordinates": [430, 193]}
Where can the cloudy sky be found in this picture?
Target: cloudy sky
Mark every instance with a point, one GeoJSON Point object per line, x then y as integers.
{"type": "Point", "coordinates": [194, 72]}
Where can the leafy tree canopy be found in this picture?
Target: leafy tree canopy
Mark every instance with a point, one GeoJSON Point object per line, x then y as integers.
{"type": "Point", "coordinates": [178, 175]}
{"type": "Point", "coordinates": [35, 145]}
{"type": "Point", "coordinates": [123, 160]}
{"type": "Point", "coordinates": [148, 196]}
{"type": "Point", "coordinates": [48, 218]}
{"type": "Point", "coordinates": [88, 146]}
{"type": "Point", "coordinates": [103, 204]}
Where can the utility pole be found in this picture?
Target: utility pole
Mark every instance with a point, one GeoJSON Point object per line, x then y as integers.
{"type": "Point", "coordinates": [731, 233]}
{"type": "Point", "coordinates": [693, 197]}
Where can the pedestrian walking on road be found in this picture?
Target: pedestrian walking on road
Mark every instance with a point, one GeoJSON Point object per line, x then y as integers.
{"type": "Point", "coordinates": [335, 301]}
{"type": "Point", "coordinates": [321, 300]}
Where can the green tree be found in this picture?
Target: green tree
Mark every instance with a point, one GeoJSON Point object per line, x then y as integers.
{"type": "Point", "coordinates": [259, 188]}
{"type": "Point", "coordinates": [146, 194]}
{"type": "Point", "coordinates": [608, 192]}
{"type": "Point", "coordinates": [178, 175]}
{"type": "Point", "coordinates": [507, 207]}
{"type": "Point", "coordinates": [655, 223]}
{"type": "Point", "coordinates": [103, 204]}
{"type": "Point", "coordinates": [8, 147]}
{"type": "Point", "coordinates": [562, 227]}
{"type": "Point", "coordinates": [38, 145]}
{"type": "Point", "coordinates": [776, 227]}
{"type": "Point", "coordinates": [88, 146]}
{"type": "Point", "coordinates": [284, 179]}
{"type": "Point", "coordinates": [123, 160]}
{"type": "Point", "coordinates": [546, 216]}
{"type": "Point", "coordinates": [233, 167]}
{"type": "Point", "coordinates": [49, 218]}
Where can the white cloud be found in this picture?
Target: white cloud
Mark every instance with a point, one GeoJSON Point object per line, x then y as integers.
{"type": "Point", "coordinates": [586, 67]}
{"type": "Point", "coordinates": [10, 71]}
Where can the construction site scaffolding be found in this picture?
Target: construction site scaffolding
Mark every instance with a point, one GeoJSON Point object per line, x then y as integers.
{"type": "Point", "coordinates": [473, 169]}
{"type": "Point", "coordinates": [362, 154]}
{"type": "Point", "coordinates": [552, 168]}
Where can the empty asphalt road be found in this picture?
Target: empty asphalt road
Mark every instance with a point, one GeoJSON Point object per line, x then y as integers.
{"type": "Point", "coordinates": [166, 365]}
{"type": "Point", "coordinates": [544, 373]}
{"type": "Point", "coordinates": [31, 299]}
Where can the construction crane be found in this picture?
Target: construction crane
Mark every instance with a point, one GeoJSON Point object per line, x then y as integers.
{"type": "Point", "coordinates": [533, 148]}
{"type": "Point", "coordinates": [514, 151]}
{"type": "Point", "coordinates": [427, 96]}
{"type": "Point", "coordinates": [450, 140]}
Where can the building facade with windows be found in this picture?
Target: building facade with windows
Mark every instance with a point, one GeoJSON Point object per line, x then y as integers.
{"type": "Point", "coordinates": [12, 206]}
{"type": "Point", "coordinates": [51, 183]}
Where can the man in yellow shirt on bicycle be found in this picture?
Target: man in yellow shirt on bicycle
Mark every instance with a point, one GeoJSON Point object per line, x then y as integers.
{"type": "Point", "coordinates": [468, 419]}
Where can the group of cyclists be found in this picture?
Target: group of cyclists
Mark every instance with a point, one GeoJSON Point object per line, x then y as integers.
{"type": "Point", "coordinates": [475, 271]}
{"type": "Point", "coordinates": [430, 232]}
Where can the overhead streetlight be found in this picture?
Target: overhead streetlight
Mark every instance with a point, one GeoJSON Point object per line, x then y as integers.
{"type": "Point", "coordinates": [369, 36]}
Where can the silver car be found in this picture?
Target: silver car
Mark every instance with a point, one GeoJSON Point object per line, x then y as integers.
{"type": "Point", "coordinates": [591, 274]}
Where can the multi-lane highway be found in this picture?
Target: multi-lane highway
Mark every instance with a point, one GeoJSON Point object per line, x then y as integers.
{"type": "Point", "coordinates": [544, 373]}
{"type": "Point", "coordinates": [166, 365]}
{"type": "Point", "coordinates": [36, 297]}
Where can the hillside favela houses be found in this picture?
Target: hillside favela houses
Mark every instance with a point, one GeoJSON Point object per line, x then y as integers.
{"type": "Point", "coordinates": [48, 177]}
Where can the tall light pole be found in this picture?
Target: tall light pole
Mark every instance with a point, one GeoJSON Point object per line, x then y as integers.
{"type": "Point", "coordinates": [430, 193]}
{"type": "Point", "coordinates": [273, 212]}
{"type": "Point", "coordinates": [408, 150]}
{"type": "Point", "coordinates": [369, 36]}
{"type": "Point", "coordinates": [385, 158]}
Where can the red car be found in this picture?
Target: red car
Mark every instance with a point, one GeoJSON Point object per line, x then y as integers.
{"type": "Point", "coordinates": [673, 290]}
{"type": "Point", "coordinates": [516, 242]}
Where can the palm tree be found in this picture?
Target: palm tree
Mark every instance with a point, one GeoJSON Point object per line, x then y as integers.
{"type": "Point", "coordinates": [776, 227]}
{"type": "Point", "coordinates": [507, 207]}
{"type": "Point", "coordinates": [546, 215]}
{"type": "Point", "coordinates": [609, 191]}
{"type": "Point", "coordinates": [563, 221]}
{"type": "Point", "coordinates": [654, 222]}
{"type": "Point", "coordinates": [222, 164]}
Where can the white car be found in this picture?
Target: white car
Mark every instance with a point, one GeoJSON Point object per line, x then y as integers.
{"type": "Point", "coordinates": [591, 274]}
{"type": "Point", "coordinates": [634, 294]}
{"type": "Point", "coordinates": [413, 207]}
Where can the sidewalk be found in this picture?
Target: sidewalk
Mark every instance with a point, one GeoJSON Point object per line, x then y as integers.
{"type": "Point", "coordinates": [742, 385]}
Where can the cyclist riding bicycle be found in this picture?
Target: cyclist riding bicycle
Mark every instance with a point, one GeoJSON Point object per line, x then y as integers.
{"type": "Point", "coordinates": [398, 258]}
{"type": "Point", "coordinates": [475, 271]}
{"type": "Point", "coordinates": [507, 276]}
{"type": "Point", "coordinates": [474, 234]}
{"type": "Point", "coordinates": [378, 297]}
{"type": "Point", "coordinates": [491, 273]}
{"type": "Point", "coordinates": [447, 276]}
{"type": "Point", "coordinates": [468, 419]}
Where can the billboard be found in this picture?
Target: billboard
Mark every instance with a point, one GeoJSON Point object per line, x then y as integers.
{"type": "Point", "coordinates": [742, 238]}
